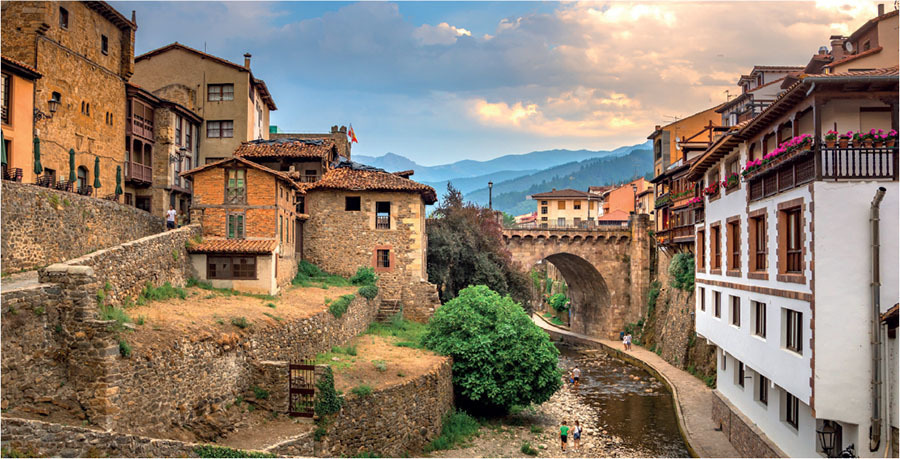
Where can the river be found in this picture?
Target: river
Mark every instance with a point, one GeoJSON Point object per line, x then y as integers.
{"type": "Point", "coordinates": [632, 404]}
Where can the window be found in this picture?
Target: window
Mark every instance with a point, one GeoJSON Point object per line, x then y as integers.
{"type": "Point", "coordinates": [762, 389]}
{"type": "Point", "coordinates": [383, 258]}
{"type": "Point", "coordinates": [716, 249]}
{"type": "Point", "coordinates": [576, 205]}
{"type": "Point", "coordinates": [734, 245]}
{"type": "Point", "coordinates": [188, 136]}
{"type": "Point", "coordinates": [104, 44]}
{"type": "Point", "coordinates": [82, 177]}
{"type": "Point", "coordinates": [561, 205]}
{"type": "Point", "coordinates": [281, 229]}
{"type": "Point", "coordinates": [791, 410]}
{"type": "Point", "coordinates": [793, 329]}
{"type": "Point", "coordinates": [560, 221]}
{"type": "Point", "coordinates": [701, 249]}
{"type": "Point", "coordinates": [702, 299]}
{"type": "Point", "coordinates": [717, 304]}
{"type": "Point", "coordinates": [63, 18]}
{"type": "Point", "coordinates": [794, 263]}
{"type": "Point", "coordinates": [758, 243]}
{"type": "Point", "coordinates": [4, 97]}
{"type": "Point", "coordinates": [220, 129]}
{"type": "Point", "coordinates": [576, 222]}
{"type": "Point", "coordinates": [235, 226]}
{"type": "Point", "coordinates": [352, 203]}
{"type": "Point", "coordinates": [177, 130]}
{"type": "Point", "coordinates": [759, 318]}
{"type": "Point", "coordinates": [733, 166]}
{"type": "Point", "coordinates": [217, 92]}
{"type": "Point", "coordinates": [736, 311]}
{"type": "Point", "coordinates": [226, 267]}
{"type": "Point", "coordinates": [235, 186]}
{"type": "Point", "coordinates": [382, 215]}
{"type": "Point", "coordinates": [740, 374]}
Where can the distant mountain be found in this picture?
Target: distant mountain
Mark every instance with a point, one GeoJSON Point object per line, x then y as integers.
{"type": "Point", "coordinates": [509, 196]}
{"type": "Point", "coordinates": [524, 163]}
{"type": "Point", "coordinates": [468, 184]}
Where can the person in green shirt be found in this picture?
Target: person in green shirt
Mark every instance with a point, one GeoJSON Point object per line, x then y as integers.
{"type": "Point", "coordinates": [563, 435]}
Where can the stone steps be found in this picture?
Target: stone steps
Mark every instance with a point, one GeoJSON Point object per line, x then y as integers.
{"type": "Point", "coordinates": [387, 310]}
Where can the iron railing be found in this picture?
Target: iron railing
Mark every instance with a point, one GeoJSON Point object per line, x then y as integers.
{"type": "Point", "coordinates": [382, 222]}
{"type": "Point", "coordinates": [859, 163]}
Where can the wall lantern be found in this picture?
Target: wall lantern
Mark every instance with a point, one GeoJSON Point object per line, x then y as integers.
{"type": "Point", "coordinates": [826, 437]}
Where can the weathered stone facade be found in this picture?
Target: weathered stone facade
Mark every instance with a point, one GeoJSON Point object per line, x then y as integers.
{"type": "Point", "coordinates": [43, 226]}
{"type": "Point", "coordinates": [392, 422]}
{"type": "Point", "coordinates": [340, 241]}
{"type": "Point", "coordinates": [607, 271]}
{"type": "Point", "coordinates": [744, 435]}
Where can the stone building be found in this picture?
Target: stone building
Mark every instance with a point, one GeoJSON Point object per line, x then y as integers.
{"type": "Point", "coordinates": [233, 103]}
{"type": "Point", "coordinates": [18, 119]}
{"type": "Point", "coordinates": [247, 214]}
{"type": "Point", "coordinates": [566, 208]}
{"type": "Point", "coordinates": [338, 135]}
{"type": "Point", "coordinates": [85, 52]}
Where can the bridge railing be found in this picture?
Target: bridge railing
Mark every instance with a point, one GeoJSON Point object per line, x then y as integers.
{"type": "Point", "coordinates": [582, 226]}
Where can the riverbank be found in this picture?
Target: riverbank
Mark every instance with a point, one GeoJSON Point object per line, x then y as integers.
{"type": "Point", "coordinates": [693, 399]}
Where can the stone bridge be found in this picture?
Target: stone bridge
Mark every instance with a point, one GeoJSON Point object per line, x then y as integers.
{"type": "Point", "coordinates": [607, 270]}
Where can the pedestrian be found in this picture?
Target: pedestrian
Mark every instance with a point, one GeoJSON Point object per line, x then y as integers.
{"type": "Point", "coordinates": [563, 435]}
{"type": "Point", "coordinates": [569, 378]}
{"type": "Point", "coordinates": [576, 436]}
{"type": "Point", "coordinates": [170, 218]}
{"type": "Point", "coordinates": [628, 342]}
{"type": "Point", "coordinates": [576, 375]}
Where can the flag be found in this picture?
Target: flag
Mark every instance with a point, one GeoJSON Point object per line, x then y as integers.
{"type": "Point", "coordinates": [352, 135]}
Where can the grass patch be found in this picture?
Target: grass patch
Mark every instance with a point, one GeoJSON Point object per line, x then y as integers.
{"type": "Point", "coordinates": [273, 316]}
{"type": "Point", "coordinates": [163, 292]}
{"type": "Point", "coordinates": [309, 275]}
{"type": "Point", "coordinates": [338, 307]}
{"type": "Point", "coordinates": [113, 313]}
{"type": "Point", "coordinates": [223, 451]}
{"type": "Point", "coordinates": [362, 390]}
{"type": "Point", "coordinates": [409, 333]}
{"type": "Point", "coordinates": [240, 322]}
{"type": "Point", "coordinates": [349, 349]}
{"type": "Point", "coordinates": [380, 365]}
{"type": "Point", "coordinates": [457, 428]}
{"type": "Point", "coordinates": [527, 449]}
{"type": "Point", "coordinates": [325, 358]}
{"type": "Point", "coordinates": [271, 305]}
{"type": "Point", "coordinates": [556, 321]}
{"type": "Point", "coordinates": [536, 430]}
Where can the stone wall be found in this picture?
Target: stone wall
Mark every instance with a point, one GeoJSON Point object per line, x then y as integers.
{"type": "Point", "coordinates": [392, 422]}
{"type": "Point", "coordinates": [743, 434]}
{"type": "Point", "coordinates": [43, 439]}
{"type": "Point", "coordinates": [42, 226]}
{"type": "Point", "coordinates": [128, 267]}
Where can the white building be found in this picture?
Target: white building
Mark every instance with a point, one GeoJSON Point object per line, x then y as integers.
{"type": "Point", "coordinates": [784, 269]}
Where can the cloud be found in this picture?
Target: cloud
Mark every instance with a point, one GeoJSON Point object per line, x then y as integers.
{"type": "Point", "coordinates": [441, 34]}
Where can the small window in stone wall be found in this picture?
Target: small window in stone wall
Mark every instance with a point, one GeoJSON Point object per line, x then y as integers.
{"type": "Point", "coordinates": [63, 18]}
{"type": "Point", "coordinates": [383, 215]}
{"type": "Point", "coordinates": [352, 203]}
{"type": "Point", "coordinates": [104, 44]}
{"type": "Point", "coordinates": [383, 260]}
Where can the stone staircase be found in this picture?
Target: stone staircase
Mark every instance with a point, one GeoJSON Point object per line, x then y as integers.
{"type": "Point", "coordinates": [387, 310]}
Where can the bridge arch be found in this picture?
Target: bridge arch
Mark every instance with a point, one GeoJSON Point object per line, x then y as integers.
{"type": "Point", "coordinates": [590, 295]}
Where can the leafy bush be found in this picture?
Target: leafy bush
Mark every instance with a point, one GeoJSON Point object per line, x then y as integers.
{"type": "Point", "coordinates": [162, 293]}
{"type": "Point", "coordinates": [368, 291]}
{"type": "Point", "coordinates": [124, 348]}
{"type": "Point", "coordinates": [527, 449]}
{"type": "Point", "coordinates": [362, 390]}
{"type": "Point", "coordinates": [319, 433]}
{"type": "Point", "coordinates": [259, 393]}
{"type": "Point", "coordinates": [559, 302]}
{"type": "Point", "coordinates": [223, 451]}
{"type": "Point", "coordinates": [652, 295]}
{"type": "Point", "coordinates": [681, 268]}
{"type": "Point", "coordinates": [349, 349]}
{"type": "Point", "coordinates": [456, 428]}
{"type": "Point", "coordinates": [113, 313]}
{"type": "Point", "coordinates": [339, 306]}
{"type": "Point", "coordinates": [380, 365]}
{"type": "Point", "coordinates": [500, 357]}
{"type": "Point", "coordinates": [240, 322]}
{"type": "Point", "coordinates": [364, 276]}
{"type": "Point", "coordinates": [327, 399]}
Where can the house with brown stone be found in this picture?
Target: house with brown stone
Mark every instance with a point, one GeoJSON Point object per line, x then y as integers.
{"type": "Point", "coordinates": [85, 53]}
{"type": "Point", "coordinates": [338, 135]}
{"type": "Point", "coordinates": [247, 213]}
{"type": "Point", "coordinates": [233, 103]}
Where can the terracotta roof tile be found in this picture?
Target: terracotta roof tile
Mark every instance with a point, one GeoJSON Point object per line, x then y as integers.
{"type": "Point", "coordinates": [567, 193]}
{"type": "Point", "coordinates": [234, 246]}
{"type": "Point", "coordinates": [887, 71]}
{"type": "Point", "coordinates": [854, 57]}
{"type": "Point", "coordinates": [21, 67]}
{"type": "Point", "coordinates": [287, 148]}
{"type": "Point", "coordinates": [614, 216]}
{"type": "Point", "coordinates": [245, 162]}
{"type": "Point", "coordinates": [370, 179]}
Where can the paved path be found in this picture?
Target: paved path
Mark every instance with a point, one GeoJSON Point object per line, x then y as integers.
{"type": "Point", "coordinates": [693, 398]}
{"type": "Point", "coordinates": [19, 280]}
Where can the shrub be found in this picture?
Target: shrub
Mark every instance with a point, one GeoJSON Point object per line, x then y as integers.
{"type": "Point", "coordinates": [259, 393]}
{"type": "Point", "coordinates": [338, 307]}
{"type": "Point", "coordinates": [368, 291]}
{"type": "Point", "coordinates": [559, 302]}
{"type": "Point", "coordinates": [456, 428]}
{"type": "Point", "coordinates": [319, 433]}
{"type": "Point", "coordinates": [114, 313]}
{"type": "Point", "coordinates": [362, 390]}
{"type": "Point", "coordinates": [240, 322]}
{"type": "Point", "coordinates": [161, 293]}
{"type": "Point", "coordinates": [380, 365]}
{"type": "Point", "coordinates": [308, 269]}
{"type": "Point", "coordinates": [327, 399]}
{"type": "Point", "coordinates": [527, 449]}
{"type": "Point", "coordinates": [124, 348]}
{"type": "Point", "coordinates": [349, 349]}
{"type": "Point", "coordinates": [681, 268]}
{"type": "Point", "coordinates": [500, 357]}
{"type": "Point", "coordinates": [537, 429]}
{"type": "Point", "coordinates": [364, 276]}
{"type": "Point", "coordinates": [223, 451]}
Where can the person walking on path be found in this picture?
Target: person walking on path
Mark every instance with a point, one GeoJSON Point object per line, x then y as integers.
{"type": "Point", "coordinates": [170, 218]}
{"type": "Point", "coordinates": [576, 375]}
{"type": "Point", "coordinates": [563, 435]}
{"type": "Point", "coordinates": [628, 342]}
{"type": "Point", "coordinates": [576, 436]}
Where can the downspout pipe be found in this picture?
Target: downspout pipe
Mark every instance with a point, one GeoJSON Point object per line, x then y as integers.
{"type": "Point", "coordinates": [875, 427]}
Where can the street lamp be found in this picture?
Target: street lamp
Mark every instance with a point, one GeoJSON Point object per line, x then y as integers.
{"type": "Point", "coordinates": [491, 195]}
{"type": "Point", "coordinates": [53, 104]}
{"type": "Point", "coordinates": [826, 437]}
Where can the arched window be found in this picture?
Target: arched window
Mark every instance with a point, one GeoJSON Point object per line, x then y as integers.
{"type": "Point", "coordinates": [82, 177]}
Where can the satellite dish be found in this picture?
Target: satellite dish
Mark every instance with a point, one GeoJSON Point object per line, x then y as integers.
{"type": "Point", "coordinates": [848, 47]}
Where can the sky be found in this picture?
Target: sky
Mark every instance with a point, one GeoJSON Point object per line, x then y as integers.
{"type": "Point", "coordinates": [439, 82]}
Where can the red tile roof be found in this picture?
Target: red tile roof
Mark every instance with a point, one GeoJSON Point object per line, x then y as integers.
{"type": "Point", "coordinates": [887, 71]}
{"type": "Point", "coordinates": [567, 193]}
{"type": "Point", "coordinates": [234, 246]}
{"type": "Point", "coordinates": [287, 148]}
{"type": "Point", "coordinates": [614, 216]}
{"type": "Point", "coordinates": [21, 67]}
{"type": "Point", "coordinates": [348, 178]}
{"type": "Point", "coordinates": [246, 162]}
{"type": "Point", "coordinates": [855, 57]}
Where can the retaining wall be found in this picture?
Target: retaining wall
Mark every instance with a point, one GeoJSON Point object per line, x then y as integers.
{"type": "Point", "coordinates": [41, 226]}
{"type": "Point", "coordinates": [742, 433]}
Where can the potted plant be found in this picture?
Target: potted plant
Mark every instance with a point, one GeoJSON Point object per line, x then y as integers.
{"type": "Point", "coordinates": [891, 138]}
{"type": "Point", "coordinates": [712, 189]}
{"type": "Point", "coordinates": [831, 138]}
{"type": "Point", "coordinates": [844, 139]}
{"type": "Point", "coordinates": [869, 138]}
{"type": "Point", "coordinates": [731, 181]}
{"type": "Point", "coordinates": [878, 138]}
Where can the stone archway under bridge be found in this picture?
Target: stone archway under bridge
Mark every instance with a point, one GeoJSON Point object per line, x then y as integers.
{"type": "Point", "coordinates": [607, 270]}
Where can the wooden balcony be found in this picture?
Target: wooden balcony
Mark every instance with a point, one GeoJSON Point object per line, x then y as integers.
{"type": "Point", "coordinates": [138, 173]}
{"type": "Point", "coordinates": [683, 234]}
{"type": "Point", "coordinates": [859, 163]}
{"type": "Point", "coordinates": [308, 178]}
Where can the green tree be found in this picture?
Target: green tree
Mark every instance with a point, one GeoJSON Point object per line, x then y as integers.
{"type": "Point", "coordinates": [681, 268]}
{"type": "Point", "coordinates": [558, 302]}
{"type": "Point", "coordinates": [508, 220]}
{"type": "Point", "coordinates": [465, 247]}
{"type": "Point", "coordinates": [500, 357]}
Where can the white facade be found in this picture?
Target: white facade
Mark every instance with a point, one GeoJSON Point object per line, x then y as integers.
{"type": "Point", "coordinates": [830, 375]}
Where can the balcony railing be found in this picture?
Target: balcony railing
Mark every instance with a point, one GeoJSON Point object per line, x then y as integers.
{"type": "Point", "coordinates": [137, 172]}
{"type": "Point", "coordinates": [308, 178]}
{"type": "Point", "coordinates": [859, 163]}
{"type": "Point", "coordinates": [581, 226]}
{"type": "Point", "coordinates": [676, 235]}
{"type": "Point", "coordinates": [382, 222]}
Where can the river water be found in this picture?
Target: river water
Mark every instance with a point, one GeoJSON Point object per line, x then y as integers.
{"type": "Point", "coordinates": [633, 405]}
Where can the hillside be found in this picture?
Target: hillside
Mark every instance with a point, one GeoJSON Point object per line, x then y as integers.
{"type": "Point", "coordinates": [469, 184]}
{"type": "Point", "coordinates": [509, 195]}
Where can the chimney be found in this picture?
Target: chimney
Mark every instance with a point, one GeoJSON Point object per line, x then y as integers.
{"type": "Point", "coordinates": [247, 57]}
{"type": "Point", "coordinates": [837, 46]}
{"type": "Point", "coordinates": [133, 17]}
{"type": "Point", "coordinates": [553, 189]}
{"type": "Point", "coordinates": [881, 9]}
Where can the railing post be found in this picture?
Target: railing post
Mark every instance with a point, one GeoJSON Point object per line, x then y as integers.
{"type": "Point", "coordinates": [817, 140]}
